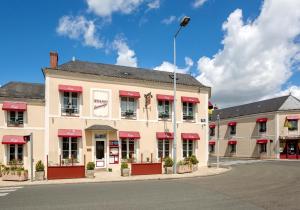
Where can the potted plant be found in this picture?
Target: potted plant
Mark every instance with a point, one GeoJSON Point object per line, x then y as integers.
{"type": "Point", "coordinates": [193, 160]}
{"type": "Point", "coordinates": [184, 166]}
{"type": "Point", "coordinates": [14, 173]}
{"type": "Point", "coordinates": [168, 165]}
{"type": "Point", "coordinates": [90, 170]}
{"type": "Point", "coordinates": [39, 171]}
{"type": "Point", "coordinates": [124, 169]}
{"type": "Point", "coordinates": [129, 113]}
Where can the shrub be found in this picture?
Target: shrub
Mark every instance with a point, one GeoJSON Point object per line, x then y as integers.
{"type": "Point", "coordinates": [193, 160]}
{"type": "Point", "coordinates": [90, 166]}
{"type": "Point", "coordinates": [39, 166]}
{"type": "Point", "coordinates": [168, 162]}
{"type": "Point", "coordinates": [124, 165]}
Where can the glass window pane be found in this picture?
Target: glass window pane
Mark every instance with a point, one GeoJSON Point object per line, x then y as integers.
{"type": "Point", "coordinates": [20, 152]}
{"type": "Point", "coordinates": [12, 116]}
{"type": "Point", "coordinates": [65, 148]}
{"type": "Point", "coordinates": [123, 104]}
{"type": "Point", "coordinates": [11, 152]}
{"type": "Point", "coordinates": [124, 149]}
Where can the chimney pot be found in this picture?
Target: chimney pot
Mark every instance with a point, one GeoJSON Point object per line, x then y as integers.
{"type": "Point", "coordinates": [53, 60]}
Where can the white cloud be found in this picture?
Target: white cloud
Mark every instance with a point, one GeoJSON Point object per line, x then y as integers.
{"type": "Point", "coordinates": [79, 28]}
{"type": "Point", "coordinates": [155, 4]}
{"type": "Point", "coordinates": [169, 20]}
{"type": "Point", "coordinates": [198, 3]}
{"type": "Point", "coordinates": [105, 8]}
{"type": "Point", "coordinates": [169, 67]}
{"type": "Point", "coordinates": [126, 56]}
{"type": "Point", "coordinates": [257, 56]}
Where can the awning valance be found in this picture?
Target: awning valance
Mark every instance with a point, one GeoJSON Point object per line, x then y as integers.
{"type": "Point", "coordinates": [211, 142]}
{"type": "Point", "coordinates": [230, 142]}
{"type": "Point", "coordinates": [293, 117]}
{"type": "Point", "coordinates": [232, 123]}
{"type": "Point", "coordinates": [212, 125]}
{"type": "Point", "coordinates": [13, 139]}
{"type": "Point", "coordinates": [190, 136]}
{"type": "Point", "coordinates": [190, 99]}
{"type": "Point", "coordinates": [14, 106]}
{"type": "Point", "coordinates": [69, 133]}
{"type": "Point", "coordinates": [164, 135]}
{"type": "Point", "coordinates": [262, 119]}
{"type": "Point", "coordinates": [131, 94]}
{"type": "Point", "coordinates": [262, 141]}
{"type": "Point", "coordinates": [129, 135]}
{"type": "Point", "coordinates": [164, 97]}
{"type": "Point", "coordinates": [70, 88]}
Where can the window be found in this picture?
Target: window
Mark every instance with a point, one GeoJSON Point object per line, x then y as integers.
{"type": "Point", "coordinates": [70, 103]}
{"type": "Point", "coordinates": [263, 148]}
{"type": "Point", "coordinates": [188, 148]}
{"type": "Point", "coordinates": [164, 109]}
{"type": "Point", "coordinates": [262, 127]}
{"type": "Point", "coordinates": [15, 152]}
{"type": "Point", "coordinates": [232, 129]}
{"type": "Point", "coordinates": [163, 148]}
{"type": "Point", "coordinates": [232, 148]}
{"type": "Point", "coordinates": [293, 125]}
{"type": "Point", "coordinates": [128, 107]}
{"type": "Point", "coordinates": [188, 111]}
{"type": "Point", "coordinates": [212, 131]}
{"type": "Point", "coordinates": [211, 148]}
{"type": "Point", "coordinates": [69, 148]}
{"type": "Point", "coordinates": [15, 118]}
{"type": "Point", "coordinates": [128, 149]}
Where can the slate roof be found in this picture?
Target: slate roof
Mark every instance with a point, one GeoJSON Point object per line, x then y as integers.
{"type": "Point", "coordinates": [101, 128]}
{"type": "Point", "coordinates": [269, 105]}
{"type": "Point", "coordinates": [127, 72]}
{"type": "Point", "coordinates": [23, 90]}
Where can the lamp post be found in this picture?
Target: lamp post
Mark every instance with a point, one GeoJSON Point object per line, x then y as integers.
{"type": "Point", "coordinates": [184, 22]}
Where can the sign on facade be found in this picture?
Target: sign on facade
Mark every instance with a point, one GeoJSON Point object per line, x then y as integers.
{"type": "Point", "coordinates": [101, 103]}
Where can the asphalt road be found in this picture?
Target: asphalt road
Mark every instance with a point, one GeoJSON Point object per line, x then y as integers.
{"type": "Point", "coordinates": [267, 185]}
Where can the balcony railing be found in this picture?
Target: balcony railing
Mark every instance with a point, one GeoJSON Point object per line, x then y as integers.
{"type": "Point", "coordinates": [16, 122]}
{"type": "Point", "coordinates": [70, 111]}
{"type": "Point", "coordinates": [164, 115]}
{"type": "Point", "coordinates": [189, 117]}
{"type": "Point", "coordinates": [129, 114]}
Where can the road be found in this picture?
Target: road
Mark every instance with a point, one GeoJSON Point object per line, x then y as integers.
{"type": "Point", "coordinates": [267, 185]}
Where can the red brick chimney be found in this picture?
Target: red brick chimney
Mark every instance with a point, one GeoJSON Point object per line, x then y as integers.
{"type": "Point", "coordinates": [53, 60]}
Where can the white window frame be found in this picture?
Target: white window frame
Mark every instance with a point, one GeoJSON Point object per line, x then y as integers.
{"type": "Point", "coordinates": [16, 152]}
{"type": "Point", "coordinates": [64, 113]}
{"type": "Point", "coordinates": [127, 148]}
{"type": "Point", "coordinates": [187, 147]}
{"type": "Point", "coordinates": [189, 104]}
{"type": "Point", "coordinates": [70, 149]}
{"type": "Point", "coordinates": [164, 108]}
{"type": "Point", "coordinates": [123, 116]}
{"type": "Point", "coordinates": [164, 148]}
{"type": "Point", "coordinates": [16, 117]}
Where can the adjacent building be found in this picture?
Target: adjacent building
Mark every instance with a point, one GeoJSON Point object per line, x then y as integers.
{"type": "Point", "coordinates": [263, 129]}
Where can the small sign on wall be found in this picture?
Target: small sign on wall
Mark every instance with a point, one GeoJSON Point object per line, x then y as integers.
{"type": "Point", "coordinates": [100, 103]}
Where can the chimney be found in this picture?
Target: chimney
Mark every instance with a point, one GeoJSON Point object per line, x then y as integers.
{"type": "Point", "coordinates": [53, 60]}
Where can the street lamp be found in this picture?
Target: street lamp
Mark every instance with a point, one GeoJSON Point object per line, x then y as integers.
{"type": "Point", "coordinates": [184, 22]}
{"type": "Point", "coordinates": [218, 141]}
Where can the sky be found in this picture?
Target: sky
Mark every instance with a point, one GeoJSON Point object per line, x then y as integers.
{"type": "Point", "coordinates": [246, 50]}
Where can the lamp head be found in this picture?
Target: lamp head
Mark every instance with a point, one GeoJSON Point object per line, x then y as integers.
{"type": "Point", "coordinates": [185, 21]}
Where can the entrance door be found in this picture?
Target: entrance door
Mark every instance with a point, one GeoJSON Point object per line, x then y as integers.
{"type": "Point", "coordinates": [292, 149]}
{"type": "Point", "coordinates": [100, 151]}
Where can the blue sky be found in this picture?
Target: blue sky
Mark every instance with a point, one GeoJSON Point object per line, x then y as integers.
{"type": "Point", "coordinates": [30, 29]}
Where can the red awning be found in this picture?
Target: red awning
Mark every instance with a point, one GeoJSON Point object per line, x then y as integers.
{"type": "Point", "coordinates": [190, 99]}
{"type": "Point", "coordinates": [232, 142]}
{"type": "Point", "coordinates": [129, 135]}
{"type": "Point", "coordinates": [190, 136]}
{"type": "Point", "coordinates": [294, 117]}
{"type": "Point", "coordinates": [132, 94]}
{"type": "Point", "coordinates": [14, 106]}
{"type": "Point", "coordinates": [232, 124]}
{"type": "Point", "coordinates": [12, 139]}
{"type": "Point", "coordinates": [262, 141]}
{"type": "Point", "coordinates": [165, 97]}
{"type": "Point", "coordinates": [70, 88]}
{"type": "Point", "coordinates": [69, 133]}
{"type": "Point", "coordinates": [164, 135]}
{"type": "Point", "coordinates": [212, 125]}
{"type": "Point", "coordinates": [262, 119]}
{"type": "Point", "coordinates": [211, 142]}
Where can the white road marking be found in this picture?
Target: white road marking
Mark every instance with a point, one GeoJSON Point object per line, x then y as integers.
{"type": "Point", "coordinates": [3, 194]}
{"type": "Point", "coordinates": [4, 191]}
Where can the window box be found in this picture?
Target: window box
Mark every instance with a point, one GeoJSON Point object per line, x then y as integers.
{"type": "Point", "coordinates": [181, 169]}
{"type": "Point", "coordinates": [70, 111]}
{"type": "Point", "coordinates": [16, 122]}
{"type": "Point", "coordinates": [164, 116]}
{"type": "Point", "coordinates": [129, 113]}
{"type": "Point", "coordinates": [188, 117]}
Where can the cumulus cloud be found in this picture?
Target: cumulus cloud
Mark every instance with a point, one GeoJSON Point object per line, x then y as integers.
{"type": "Point", "coordinates": [169, 67]}
{"type": "Point", "coordinates": [105, 8]}
{"type": "Point", "coordinates": [155, 4]}
{"type": "Point", "coordinates": [79, 28]}
{"type": "Point", "coordinates": [169, 20]}
{"type": "Point", "coordinates": [257, 56]}
{"type": "Point", "coordinates": [126, 56]}
{"type": "Point", "coordinates": [198, 3]}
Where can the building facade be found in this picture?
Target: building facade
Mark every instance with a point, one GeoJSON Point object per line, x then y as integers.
{"type": "Point", "coordinates": [107, 113]}
{"type": "Point", "coordinates": [264, 129]}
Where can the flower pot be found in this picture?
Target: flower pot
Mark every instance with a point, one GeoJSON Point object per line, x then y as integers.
{"type": "Point", "coordinates": [39, 175]}
{"type": "Point", "coordinates": [168, 170]}
{"type": "Point", "coordinates": [90, 173]}
{"type": "Point", "coordinates": [125, 171]}
{"type": "Point", "coordinates": [181, 169]}
{"type": "Point", "coordinates": [15, 176]}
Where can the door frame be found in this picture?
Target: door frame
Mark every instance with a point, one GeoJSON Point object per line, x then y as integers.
{"type": "Point", "coordinates": [105, 149]}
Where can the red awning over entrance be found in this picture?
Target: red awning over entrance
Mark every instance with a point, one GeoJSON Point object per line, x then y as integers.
{"type": "Point", "coordinates": [164, 135]}
{"type": "Point", "coordinates": [212, 125]}
{"type": "Point", "coordinates": [190, 99]}
{"type": "Point", "coordinates": [232, 142]}
{"type": "Point", "coordinates": [165, 97]}
{"type": "Point", "coordinates": [132, 94]}
{"type": "Point", "coordinates": [262, 141]}
{"type": "Point", "coordinates": [262, 119]}
{"type": "Point", "coordinates": [70, 88]}
{"type": "Point", "coordinates": [12, 139]}
{"type": "Point", "coordinates": [69, 133]}
{"type": "Point", "coordinates": [232, 123]}
{"type": "Point", "coordinates": [129, 135]}
{"type": "Point", "coordinates": [190, 136]}
{"type": "Point", "coordinates": [294, 117]}
{"type": "Point", "coordinates": [211, 142]}
{"type": "Point", "coordinates": [14, 106]}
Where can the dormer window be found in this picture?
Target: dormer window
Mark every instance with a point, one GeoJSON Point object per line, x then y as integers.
{"type": "Point", "coordinates": [70, 101]}
{"type": "Point", "coordinates": [129, 103]}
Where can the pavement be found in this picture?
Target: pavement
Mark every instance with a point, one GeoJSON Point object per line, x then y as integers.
{"type": "Point", "coordinates": [271, 185]}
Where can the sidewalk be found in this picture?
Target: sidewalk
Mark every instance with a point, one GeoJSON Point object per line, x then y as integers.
{"type": "Point", "coordinates": [103, 176]}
